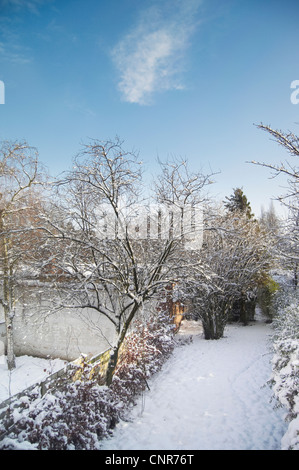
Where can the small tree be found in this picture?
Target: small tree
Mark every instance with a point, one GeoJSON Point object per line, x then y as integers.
{"type": "Point", "coordinates": [232, 262]}
{"type": "Point", "coordinates": [19, 173]}
{"type": "Point", "coordinates": [269, 219]}
{"type": "Point", "coordinates": [103, 251]}
{"type": "Point", "coordinates": [238, 203]}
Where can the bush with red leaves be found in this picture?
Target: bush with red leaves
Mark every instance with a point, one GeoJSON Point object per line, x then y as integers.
{"type": "Point", "coordinates": [144, 352]}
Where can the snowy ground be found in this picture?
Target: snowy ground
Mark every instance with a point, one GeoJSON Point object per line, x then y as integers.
{"type": "Point", "coordinates": [210, 395]}
{"type": "Point", "coordinates": [29, 370]}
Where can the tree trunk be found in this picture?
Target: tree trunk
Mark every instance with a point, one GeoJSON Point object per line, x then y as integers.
{"type": "Point", "coordinates": [8, 299]}
{"type": "Point", "coordinates": [213, 327]}
{"type": "Point", "coordinates": [214, 320]}
{"type": "Point", "coordinates": [11, 361]}
{"type": "Point", "coordinates": [243, 312]}
{"type": "Point", "coordinates": [115, 351]}
{"type": "Point", "coordinates": [296, 275]}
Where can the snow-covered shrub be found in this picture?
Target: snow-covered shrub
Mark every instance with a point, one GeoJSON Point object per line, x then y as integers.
{"type": "Point", "coordinates": [285, 363]}
{"type": "Point", "coordinates": [73, 417]}
{"type": "Point", "coordinates": [80, 413]}
{"type": "Point", "coordinates": [143, 354]}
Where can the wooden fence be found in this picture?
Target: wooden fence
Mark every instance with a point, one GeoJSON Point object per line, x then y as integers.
{"type": "Point", "coordinates": [99, 365]}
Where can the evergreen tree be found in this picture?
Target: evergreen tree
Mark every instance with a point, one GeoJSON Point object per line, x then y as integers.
{"type": "Point", "coordinates": [238, 202]}
{"type": "Point", "coordinates": [269, 220]}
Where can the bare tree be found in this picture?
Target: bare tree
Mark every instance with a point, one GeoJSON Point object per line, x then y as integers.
{"type": "Point", "coordinates": [104, 255]}
{"type": "Point", "coordinates": [19, 173]}
{"type": "Point", "coordinates": [185, 191]}
{"type": "Point", "coordinates": [289, 235]}
{"type": "Point", "coordinates": [290, 142]}
{"type": "Point", "coordinates": [178, 185]}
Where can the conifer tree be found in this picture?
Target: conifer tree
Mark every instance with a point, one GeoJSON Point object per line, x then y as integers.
{"type": "Point", "coordinates": [238, 202]}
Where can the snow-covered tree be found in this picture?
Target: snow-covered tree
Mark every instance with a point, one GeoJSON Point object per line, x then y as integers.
{"type": "Point", "coordinates": [288, 238]}
{"type": "Point", "coordinates": [232, 263]}
{"type": "Point", "coordinates": [19, 218]}
{"type": "Point", "coordinates": [269, 219]}
{"type": "Point", "coordinates": [289, 168]}
{"type": "Point", "coordinates": [285, 361]}
{"type": "Point", "coordinates": [178, 185]}
{"type": "Point", "coordinates": [103, 254]}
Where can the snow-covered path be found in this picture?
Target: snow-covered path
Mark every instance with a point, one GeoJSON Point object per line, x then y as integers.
{"type": "Point", "coordinates": [210, 395]}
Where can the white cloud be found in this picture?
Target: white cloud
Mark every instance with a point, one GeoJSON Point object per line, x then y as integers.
{"type": "Point", "coordinates": [149, 58]}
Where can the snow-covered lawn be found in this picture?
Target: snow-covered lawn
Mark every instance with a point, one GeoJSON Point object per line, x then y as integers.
{"type": "Point", "coordinates": [209, 395]}
{"type": "Point", "coordinates": [29, 370]}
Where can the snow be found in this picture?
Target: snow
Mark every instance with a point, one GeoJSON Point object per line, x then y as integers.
{"type": "Point", "coordinates": [210, 395]}
{"type": "Point", "coordinates": [29, 370]}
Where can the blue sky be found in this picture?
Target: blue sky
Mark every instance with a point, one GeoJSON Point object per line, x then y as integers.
{"type": "Point", "coordinates": [183, 78]}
